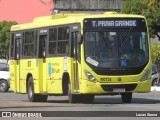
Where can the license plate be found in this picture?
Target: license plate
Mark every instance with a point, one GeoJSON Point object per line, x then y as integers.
{"type": "Point", "coordinates": [119, 90]}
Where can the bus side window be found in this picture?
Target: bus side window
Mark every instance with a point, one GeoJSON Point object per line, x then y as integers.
{"type": "Point", "coordinates": [42, 46]}
{"type": "Point", "coordinates": [63, 40]}
{"type": "Point", "coordinates": [52, 41]}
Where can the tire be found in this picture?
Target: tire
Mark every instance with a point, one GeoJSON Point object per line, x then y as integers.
{"type": "Point", "coordinates": [79, 98]}
{"type": "Point", "coordinates": [126, 97]}
{"type": "Point", "coordinates": [4, 87]}
{"type": "Point", "coordinates": [30, 89]}
{"type": "Point", "coordinates": [31, 95]}
{"type": "Point", "coordinates": [73, 98]}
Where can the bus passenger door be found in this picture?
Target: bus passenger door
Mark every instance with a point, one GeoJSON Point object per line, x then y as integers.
{"type": "Point", "coordinates": [18, 43]}
{"type": "Point", "coordinates": [75, 31]}
{"type": "Point", "coordinates": [42, 63]}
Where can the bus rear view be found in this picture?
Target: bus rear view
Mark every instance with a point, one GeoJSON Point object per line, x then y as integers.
{"type": "Point", "coordinates": [116, 56]}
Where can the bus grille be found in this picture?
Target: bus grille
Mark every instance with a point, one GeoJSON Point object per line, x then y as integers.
{"type": "Point", "coordinates": [128, 87]}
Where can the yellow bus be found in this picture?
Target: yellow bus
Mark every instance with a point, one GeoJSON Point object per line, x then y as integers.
{"type": "Point", "coordinates": [81, 55]}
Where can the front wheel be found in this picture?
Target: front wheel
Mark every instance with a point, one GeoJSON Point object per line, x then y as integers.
{"type": "Point", "coordinates": [79, 98]}
{"type": "Point", "coordinates": [126, 97]}
{"type": "Point", "coordinates": [73, 98]}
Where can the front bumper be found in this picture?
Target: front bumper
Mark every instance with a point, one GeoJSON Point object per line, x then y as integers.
{"type": "Point", "coordinates": [87, 87]}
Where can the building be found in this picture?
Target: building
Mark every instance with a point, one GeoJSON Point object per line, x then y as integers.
{"type": "Point", "coordinates": [88, 5]}
{"type": "Point", "coordinates": [23, 11]}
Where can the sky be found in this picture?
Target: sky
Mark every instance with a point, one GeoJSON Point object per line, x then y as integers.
{"type": "Point", "coordinates": [24, 11]}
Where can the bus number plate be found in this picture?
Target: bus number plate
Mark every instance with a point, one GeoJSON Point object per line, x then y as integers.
{"type": "Point", "coordinates": [119, 90]}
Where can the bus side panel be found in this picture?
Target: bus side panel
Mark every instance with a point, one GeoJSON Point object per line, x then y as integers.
{"type": "Point", "coordinates": [23, 66]}
{"type": "Point", "coordinates": [12, 71]}
{"type": "Point", "coordinates": [35, 74]}
{"type": "Point", "coordinates": [28, 67]}
{"type": "Point", "coordinates": [54, 86]}
{"type": "Point", "coordinates": [54, 75]}
{"type": "Point", "coordinates": [41, 76]}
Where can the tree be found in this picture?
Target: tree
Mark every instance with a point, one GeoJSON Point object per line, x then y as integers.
{"type": "Point", "coordinates": [155, 53]}
{"type": "Point", "coordinates": [5, 37]}
{"type": "Point", "coordinates": [149, 8]}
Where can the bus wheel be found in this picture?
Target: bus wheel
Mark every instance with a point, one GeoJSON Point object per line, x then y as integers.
{"type": "Point", "coordinates": [126, 97]}
{"type": "Point", "coordinates": [73, 98]}
{"type": "Point", "coordinates": [30, 89]}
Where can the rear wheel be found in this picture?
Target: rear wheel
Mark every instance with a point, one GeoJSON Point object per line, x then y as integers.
{"type": "Point", "coordinates": [4, 86]}
{"type": "Point", "coordinates": [31, 95]}
{"type": "Point", "coordinates": [126, 97]}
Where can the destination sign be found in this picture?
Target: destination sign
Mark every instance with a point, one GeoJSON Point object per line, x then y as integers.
{"type": "Point", "coordinates": [108, 22]}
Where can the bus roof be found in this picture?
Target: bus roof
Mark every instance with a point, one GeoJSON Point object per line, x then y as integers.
{"type": "Point", "coordinates": [60, 19]}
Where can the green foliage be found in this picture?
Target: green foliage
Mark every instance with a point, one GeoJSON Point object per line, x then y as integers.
{"type": "Point", "coordinates": [133, 6]}
{"type": "Point", "coordinates": [155, 53]}
{"type": "Point", "coordinates": [149, 8]}
{"type": "Point", "coordinates": [5, 36]}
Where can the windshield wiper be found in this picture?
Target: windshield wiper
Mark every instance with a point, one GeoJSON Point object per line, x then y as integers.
{"type": "Point", "coordinates": [105, 41]}
{"type": "Point", "coordinates": [126, 36]}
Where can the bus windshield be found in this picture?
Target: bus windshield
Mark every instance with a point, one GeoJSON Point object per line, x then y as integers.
{"type": "Point", "coordinates": [115, 48]}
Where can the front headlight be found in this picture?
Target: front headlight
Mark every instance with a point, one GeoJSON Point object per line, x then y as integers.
{"type": "Point", "coordinates": [90, 76]}
{"type": "Point", "coordinates": [146, 75]}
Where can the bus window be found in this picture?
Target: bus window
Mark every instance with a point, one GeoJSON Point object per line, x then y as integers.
{"type": "Point", "coordinates": [29, 43]}
{"type": "Point", "coordinates": [63, 40]}
{"type": "Point", "coordinates": [52, 41]}
{"type": "Point", "coordinates": [42, 46]}
{"type": "Point", "coordinates": [12, 46]}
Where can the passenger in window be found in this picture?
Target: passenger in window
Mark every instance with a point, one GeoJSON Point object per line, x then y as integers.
{"type": "Point", "coordinates": [54, 50]}
{"type": "Point", "coordinates": [31, 53]}
{"type": "Point", "coordinates": [44, 52]}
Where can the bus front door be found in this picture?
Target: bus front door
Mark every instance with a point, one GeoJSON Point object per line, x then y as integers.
{"type": "Point", "coordinates": [42, 63]}
{"type": "Point", "coordinates": [75, 31]}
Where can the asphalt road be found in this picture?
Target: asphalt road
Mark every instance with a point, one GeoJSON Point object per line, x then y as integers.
{"type": "Point", "coordinates": [149, 102]}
